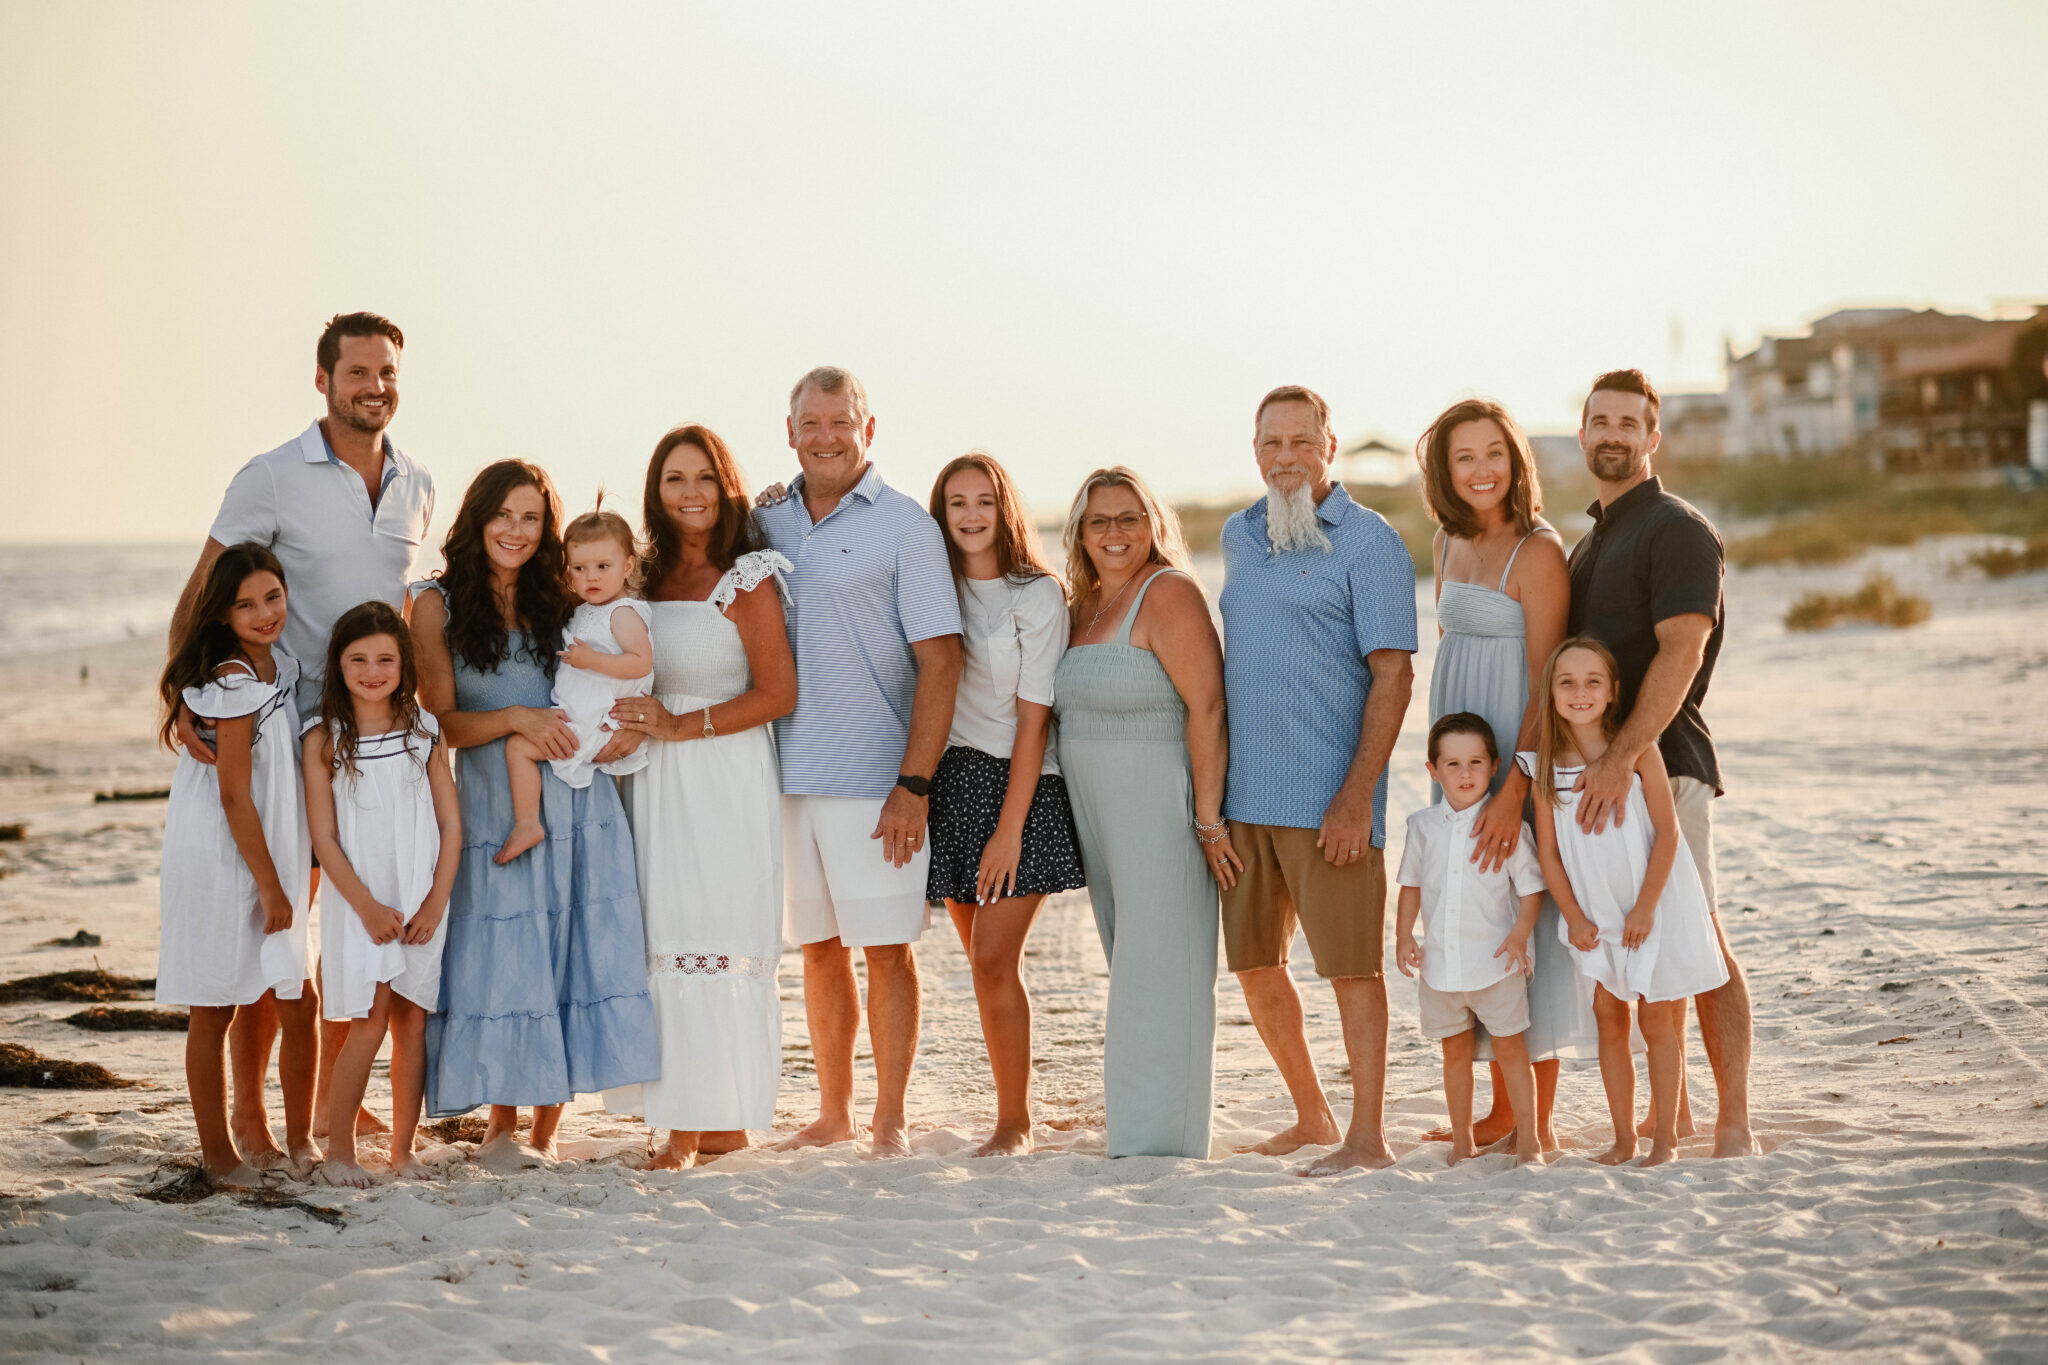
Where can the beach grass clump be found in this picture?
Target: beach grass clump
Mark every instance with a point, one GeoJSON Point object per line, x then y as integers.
{"type": "Point", "coordinates": [24, 1066]}
{"type": "Point", "coordinates": [90, 985]}
{"type": "Point", "coordinates": [101, 1019]}
{"type": "Point", "coordinates": [1878, 602]}
{"type": "Point", "coordinates": [2002, 562]}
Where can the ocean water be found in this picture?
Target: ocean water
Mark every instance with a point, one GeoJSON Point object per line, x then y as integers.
{"type": "Point", "coordinates": [64, 596]}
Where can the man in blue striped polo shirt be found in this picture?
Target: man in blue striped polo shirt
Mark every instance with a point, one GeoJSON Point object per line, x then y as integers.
{"type": "Point", "coordinates": [875, 626]}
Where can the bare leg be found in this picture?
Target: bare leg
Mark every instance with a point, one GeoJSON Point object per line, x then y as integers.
{"type": "Point", "coordinates": [408, 1084]}
{"type": "Point", "coordinates": [502, 1126]}
{"type": "Point", "coordinates": [1546, 1100]}
{"type": "Point", "coordinates": [717, 1143]}
{"type": "Point", "coordinates": [1617, 1074]}
{"type": "Point", "coordinates": [1725, 1029]}
{"type": "Point", "coordinates": [1648, 1126]}
{"type": "Point", "coordinates": [298, 1074]}
{"type": "Point", "coordinates": [894, 1001]}
{"type": "Point", "coordinates": [546, 1119]}
{"type": "Point", "coordinates": [1498, 1122]}
{"type": "Point", "coordinates": [1458, 1093]}
{"type": "Point", "coordinates": [206, 1077]}
{"type": "Point", "coordinates": [1512, 1054]}
{"type": "Point", "coordinates": [996, 935]}
{"type": "Point", "coordinates": [832, 1010]}
{"type": "Point", "coordinates": [345, 1092]}
{"type": "Point", "coordinates": [522, 767]}
{"type": "Point", "coordinates": [1362, 1004]}
{"type": "Point", "coordinates": [1661, 1023]}
{"type": "Point", "coordinates": [1276, 1011]}
{"type": "Point", "coordinates": [679, 1155]}
{"type": "Point", "coordinates": [250, 1040]}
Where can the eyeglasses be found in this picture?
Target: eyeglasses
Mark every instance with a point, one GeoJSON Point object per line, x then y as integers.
{"type": "Point", "coordinates": [1127, 523]}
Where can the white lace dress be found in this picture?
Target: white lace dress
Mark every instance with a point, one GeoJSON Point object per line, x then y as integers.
{"type": "Point", "coordinates": [587, 695]}
{"type": "Point", "coordinates": [212, 948]}
{"type": "Point", "coordinates": [707, 827]}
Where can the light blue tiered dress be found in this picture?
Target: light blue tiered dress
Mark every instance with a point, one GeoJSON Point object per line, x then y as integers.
{"type": "Point", "coordinates": [544, 975]}
{"type": "Point", "coordinates": [1124, 751]}
{"type": "Point", "coordinates": [1482, 666]}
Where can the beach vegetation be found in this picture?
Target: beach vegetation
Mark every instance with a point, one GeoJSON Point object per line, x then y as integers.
{"type": "Point", "coordinates": [1878, 602]}
{"type": "Point", "coordinates": [2002, 561]}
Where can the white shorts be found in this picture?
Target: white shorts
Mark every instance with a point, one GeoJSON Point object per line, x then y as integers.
{"type": "Point", "coordinates": [836, 882]}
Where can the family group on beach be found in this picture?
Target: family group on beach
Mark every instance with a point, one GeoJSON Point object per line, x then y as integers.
{"type": "Point", "coordinates": [815, 715]}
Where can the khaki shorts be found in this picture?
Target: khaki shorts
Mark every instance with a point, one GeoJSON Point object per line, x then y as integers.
{"type": "Point", "coordinates": [1342, 910]}
{"type": "Point", "coordinates": [1695, 802]}
{"type": "Point", "coordinates": [1503, 1007]}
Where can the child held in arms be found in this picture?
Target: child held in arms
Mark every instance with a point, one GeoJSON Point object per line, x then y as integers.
{"type": "Point", "coordinates": [607, 653]}
{"type": "Point", "coordinates": [1474, 951]}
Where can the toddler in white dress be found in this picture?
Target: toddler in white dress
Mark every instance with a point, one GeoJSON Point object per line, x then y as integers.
{"type": "Point", "coordinates": [607, 653]}
{"type": "Point", "coordinates": [1633, 912]}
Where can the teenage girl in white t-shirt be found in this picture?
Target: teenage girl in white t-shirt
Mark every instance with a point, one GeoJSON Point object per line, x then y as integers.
{"type": "Point", "coordinates": [1001, 833]}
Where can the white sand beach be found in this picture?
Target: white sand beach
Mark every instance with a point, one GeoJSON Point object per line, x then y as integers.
{"type": "Point", "coordinates": [1884, 855]}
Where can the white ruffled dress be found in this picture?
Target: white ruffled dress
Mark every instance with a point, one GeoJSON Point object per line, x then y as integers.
{"type": "Point", "coordinates": [1681, 957]}
{"type": "Point", "coordinates": [384, 820]}
{"type": "Point", "coordinates": [588, 696]}
{"type": "Point", "coordinates": [212, 949]}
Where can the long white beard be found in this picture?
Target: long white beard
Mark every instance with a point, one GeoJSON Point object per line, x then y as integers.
{"type": "Point", "coordinates": [1291, 520]}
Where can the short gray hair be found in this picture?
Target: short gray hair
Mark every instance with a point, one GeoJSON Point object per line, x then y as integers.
{"type": "Point", "coordinates": [832, 379]}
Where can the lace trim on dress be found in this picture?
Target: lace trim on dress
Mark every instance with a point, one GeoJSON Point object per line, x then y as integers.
{"type": "Point", "coordinates": [710, 964]}
{"type": "Point", "coordinates": [748, 572]}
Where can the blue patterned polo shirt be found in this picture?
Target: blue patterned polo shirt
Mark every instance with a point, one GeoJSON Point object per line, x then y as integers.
{"type": "Point", "coordinates": [1296, 630]}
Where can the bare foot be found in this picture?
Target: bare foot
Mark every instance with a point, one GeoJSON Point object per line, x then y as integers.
{"type": "Point", "coordinates": [888, 1140]}
{"type": "Point", "coordinates": [347, 1174]}
{"type": "Point", "coordinates": [1548, 1137]}
{"type": "Point", "coordinates": [1736, 1142]}
{"type": "Point", "coordinates": [1529, 1154]}
{"type": "Point", "coordinates": [303, 1157]}
{"type": "Point", "coordinates": [718, 1144]}
{"type": "Point", "coordinates": [1485, 1132]}
{"type": "Point", "coordinates": [1348, 1158]}
{"type": "Point", "coordinates": [241, 1176]}
{"type": "Point", "coordinates": [823, 1131]}
{"type": "Point", "coordinates": [1622, 1150]}
{"type": "Point", "coordinates": [366, 1122]}
{"type": "Point", "coordinates": [410, 1167]}
{"type": "Point", "coordinates": [525, 834]}
{"type": "Point", "coordinates": [259, 1149]}
{"type": "Point", "coordinates": [505, 1153]}
{"type": "Point", "coordinates": [1461, 1150]}
{"type": "Point", "coordinates": [1007, 1142]}
{"type": "Point", "coordinates": [1317, 1132]}
{"type": "Point", "coordinates": [1661, 1152]}
{"type": "Point", "coordinates": [679, 1155]}
{"type": "Point", "coordinates": [1648, 1127]}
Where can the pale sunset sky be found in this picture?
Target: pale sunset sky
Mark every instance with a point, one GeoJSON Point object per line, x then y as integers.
{"type": "Point", "coordinates": [1075, 235]}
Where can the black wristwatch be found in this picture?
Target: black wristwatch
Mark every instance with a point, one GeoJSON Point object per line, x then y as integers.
{"type": "Point", "coordinates": [916, 786]}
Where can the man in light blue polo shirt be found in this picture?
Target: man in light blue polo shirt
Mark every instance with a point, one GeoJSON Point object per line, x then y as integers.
{"type": "Point", "coordinates": [875, 625]}
{"type": "Point", "coordinates": [345, 512]}
{"type": "Point", "coordinates": [1318, 626]}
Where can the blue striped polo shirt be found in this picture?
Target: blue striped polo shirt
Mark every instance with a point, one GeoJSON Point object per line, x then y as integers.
{"type": "Point", "coordinates": [870, 579]}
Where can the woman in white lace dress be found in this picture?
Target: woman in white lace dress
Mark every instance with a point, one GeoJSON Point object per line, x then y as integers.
{"type": "Point", "coordinates": [707, 809]}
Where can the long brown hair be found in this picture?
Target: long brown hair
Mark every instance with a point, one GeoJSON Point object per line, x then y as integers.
{"type": "Point", "coordinates": [1433, 452]}
{"type": "Point", "coordinates": [1017, 551]}
{"type": "Point", "coordinates": [337, 703]}
{"type": "Point", "coordinates": [1552, 729]}
{"type": "Point", "coordinates": [540, 600]}
{"type": "Point", "coordinates": [1169, 546]}
{"type": "Point", "coordinates": [733, 536]}
{"type": "Point", "coordinates": [208, 641]}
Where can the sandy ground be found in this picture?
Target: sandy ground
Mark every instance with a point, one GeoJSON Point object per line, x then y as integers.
{"type": "Point", "coordinates": [1884, 879]}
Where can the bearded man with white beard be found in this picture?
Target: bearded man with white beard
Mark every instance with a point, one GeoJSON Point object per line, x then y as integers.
{"type": "Point", "coordinates": [1318, 627]}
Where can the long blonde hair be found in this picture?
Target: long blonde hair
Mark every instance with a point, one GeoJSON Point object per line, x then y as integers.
{"type": "Point", "coordinates": [1169, 546]}
{"type": "Point", "coordinates": [1553, 730]}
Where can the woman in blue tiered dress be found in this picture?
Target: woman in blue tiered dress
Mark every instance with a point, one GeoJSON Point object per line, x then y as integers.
{"type": "Point", "coordinates": [544, 977]}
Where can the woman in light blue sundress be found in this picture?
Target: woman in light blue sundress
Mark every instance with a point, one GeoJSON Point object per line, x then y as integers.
{"type": "Point", "coordinates": [544, 974]}
{"type": "Point", "coordinates": [1503, 592]}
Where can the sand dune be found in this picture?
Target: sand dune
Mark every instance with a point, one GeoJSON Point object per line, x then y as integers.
{"type": "Point", "coordinates": [1885, 874]}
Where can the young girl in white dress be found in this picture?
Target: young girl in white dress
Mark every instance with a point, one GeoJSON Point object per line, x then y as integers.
{"type": "Point", "coordinates": [380, 801]}
{"type": "Point", "coordinates": [607, 655]}
{"type": "Point", "coordinates": [1634, 914]}
{"type": "Point", "coordinates": [236, 864]}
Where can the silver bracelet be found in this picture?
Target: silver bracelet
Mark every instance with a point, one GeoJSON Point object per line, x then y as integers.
{"type": "Point", "coordinates": [1201, 828]}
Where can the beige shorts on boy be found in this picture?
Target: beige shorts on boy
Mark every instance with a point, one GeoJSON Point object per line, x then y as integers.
{"type": "Point", "coordinates": [836, 883]}
{"type": "Point", "coordinates": [1503, 1007]}
{"type": "Point", "coordinates": [1695, 802]}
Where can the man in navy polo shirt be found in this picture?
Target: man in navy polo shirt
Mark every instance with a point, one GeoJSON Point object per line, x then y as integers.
{"type": "Point", "coordinates": [874, 623]}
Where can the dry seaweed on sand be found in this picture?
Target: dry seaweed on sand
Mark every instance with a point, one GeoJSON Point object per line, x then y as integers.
{"type": "Point", "coordinates": [185, 1182]}
{"type": "Point", "coordinates": [102, 1019]}
{"type": "Point", "coordinates": [25, 1066]}
{"type": "Point", "coordinates": [139, 794]}
{"type": "Point", "coordinates": [464, 1128]}
{"type": "Point", "coordinates": [1878, 601]}
{"type": "Point", "coordinates": [84, 938]}
{"type": "Point", "coordinates": [90, 984]}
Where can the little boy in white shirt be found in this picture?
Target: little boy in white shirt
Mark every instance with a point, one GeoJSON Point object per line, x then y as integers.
{"type": "Point", "coordinates": [1474, 954]}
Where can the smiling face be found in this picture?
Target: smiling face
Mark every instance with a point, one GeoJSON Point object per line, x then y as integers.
{"type": "Point", "coordinates": [362, 393]}
{"type": "Point", "coordinates": [513, 532]}
{"type": "Point", "coordinates": [257, 614]}
{"type": "Point", "coordinates": [830, 438]}
{"type": "Point", "coordinates": [371, 667]}
{"type": "Point", "coordinates": [1616, 437]}
{"type": "Point", "coordinates": [1293, 450]}
{"type": "Point", "coordinates": [1480, 465]}
{"type": "Point", "coordinates": [598, 569]}
{"type": "Point", "coordinates": [1581, 688]}
{"type": "Point", "coordinates": [1115, 532]}
{"type": "Point", "coordinates": [690, 492]}
{"type": "Point", "coordinates": [973, 512]}
{"type": "Point", "coordinates": [1462, 768]}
